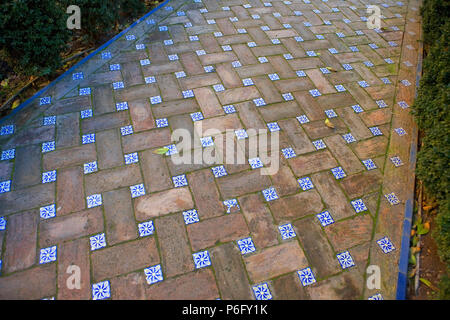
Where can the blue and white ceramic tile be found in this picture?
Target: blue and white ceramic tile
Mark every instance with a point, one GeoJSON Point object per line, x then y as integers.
{"type": "Point", "coordinates": [131, 158]}
{"type": "Point", "coordinates": [270, 194]}
{"type": "Point", "coordinates": [90, 167]}
{"type": "Point", "coordinates": [275, 41]}
{"type": "Point", "coordinates": [363, 84]}
{"type": "Point", "coordinates": [180, 74]}
{"type": "Point", "coordinates": [338, 173]}
{"type": "Point", "coordinates": [146, 228]}
{"type": "Point", "coordinates": [262, 292]}
{"type": "Point", "coordinates": [274, 76]}
{"type": "Point", "coordinates": [230, 204]}
{"type": "Point", "coordinates": [306, 276]}
{"type": "Point", "coordinates": [155, 100]}
{"type": "Point", "coordinates": [358, 205]}
{"type": "Point", "coordinates": [94, 200]}
{"type": "Point", "coordinates": [190, 216]}
{"type": "Point", "coordinates": [392, 198]}
{"type": "Point", "coordinates": [325, 70]}
{"type": "Point", "coordinates": [173, 57]}
{"type": "Point", "coordinates": [150, 79]}
{"type": "Point", "coordinates": [255, 163]}
{"type": "Point", "coordinates": [162, 123]}
{"type": "Point", "coordinates": [7, 130]}
{"type": "Point", "coordinates": [357, 108]}
{"type": "Point", "coordinates": [396, 161]}
{"type": "Point", "coordinates": [347, 67]}
{"type": "Point", "coordinates": [340, 88]}
{"type": "Point", "coordinates": [300, 73]}
{"type": "Point", "coordinates": [200, 52]}
{"type": "Point", "coordinates": [376, 131]}
{"type": "Point", "coordinates": [201, 259]}
{"type": "Point", "coordinates": [218, 87]}
{"type": "Point", "coordinates": [172, 149]}
{"type": "Point", "coordinates": [219, 171]}
{"type": "Point", "coordinates": [286, 231]}
{"type": "Point", "coordinates": [2, 223]}
{"type": "Point", "coordinates": [101, 290]}
{"type": "Point", "coordinates": [227, 48]}
{"type": "Point", "coordinates": [197, 116]}
{"type": "Point", "coordinates": [400, 131]}
{"type": "Point", "coordinates": [403, 104]}
{"type": "Point", "coordinates": [288, 153]}
{"type": "Point", "coordinates": [118, 85]}
{"type": "Point", "coordinates": [273, 126]}
{"type": "Point", "coordinates": [77, 76]}
{"type": "Point", "coordinates": [377, 296]}
{"type": "Point", "coordinates": [287, 96]}
{"type": "Point", "coordinates": [385, 245]}
{"type": "Point", "coordinates": [315, 93]}
{"type": "Point", "coordinates": [248, 82]}
{"type": "Point", "coordinates": [47, 212]}
{"type": "Point", "coordinates": [8, 154]}
{"type": "Point", "coordinates": [345, 260]}
{"type": "Point", "coordinates": [137, 190]}
{"type": "Point", "coordinates": [86, 113]}
{"type": "Point", "coordinates": [194, 38]}
{"type": "Point", "coordinates": [88, 138]}
{"type": "Point", "coordinates": [236, 64]}
{"type": "Point", "coordinates": [127, 130]}
{"type": "Point", "coordinates": [208, 69]}
{"type": "Point", "coordinates": [259, 102]}
{"type": "Point", "coordinates": [207, 141]}
{"type": "Point", "coordinates": [48, 121]}
{"type": "Point", "coordinates": [47, 255]}
{"type": "Point", "coordinates": [229, 109]}
{"type": "Point", "coordinates": [302, 119]}
{"type": "Point", "coordinates": [153, 274]}
{"type": "Point", "coordinates": [349, 138]}
{"type": "Point", "coordinates": [305, 183]}
{"type": "Point", "coordinates": [369, 164]}
{"type": "Point", "coordinates": [246, 245]}
{"type": "Point", "coordinates": [319, 144]}
{"type": "Point", "coordinates": [381, 103]}
{"type": "Point", "coordinates": [241, 134]}
{"type": "Point", "coordinates": [49, 176]}
{"type": "Point", "coordinates": [263, 60]}
{"type": "Point", "coordinates": [98, 241]}
{"type": "Point", "coordinates": [48, 146]}
{"type": "Point", "coordinates": [330, 113]}
{"type": "Point", "coordinates": [325, 218]}
{"type": "Point", "coordinates": [179, 181]}
{"type": "Point", "coordinates": [5, 186]}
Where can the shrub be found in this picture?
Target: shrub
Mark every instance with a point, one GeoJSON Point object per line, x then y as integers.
{"type": "Point", "coordinates": [33, 33]}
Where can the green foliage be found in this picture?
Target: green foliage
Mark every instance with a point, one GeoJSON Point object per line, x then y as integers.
{"type": "Point", "coordinates": [132, 8]}
{"type": "Point", "coordinates": [33, 33]}
{"type": "Point", "coordinates": [431, 110]}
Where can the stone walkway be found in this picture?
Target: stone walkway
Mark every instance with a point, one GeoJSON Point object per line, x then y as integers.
{"type": "Point", "coordinates": [82, 191]}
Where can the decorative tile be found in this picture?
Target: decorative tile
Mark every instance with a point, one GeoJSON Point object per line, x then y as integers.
{"type": "Point", "coordinates": [227, 48]}
{"type": "Point", "coordinates": [345, 260]}
{"type": "Point", "coordinates": [325, 218]}
{"type": "Point", "coordinates": [45, 101]}
{"type": "Point", "coordinates": [363, 84]}
{"type": "Point", "coordinates": [47, 255]}
{"type": "Point", "coordinates": [2, 223]}
{"type": "Point", "coordinates": [196, 116]}
{"type": "Point", "coordinates": [400, 131]}
{"type": "Point", "coordinates": [288, 56]}
{"type": "Point", "coordinates": [190, 216]}
{"type": "Point", "coordinates": [311, 53]}
{"type": "Point", "coordinates": [7, 130]}
{"type": "Point", "coordinates": [137, 190]}
{"type": "Point", "coordinates": [248, 82]}
{"type": "Point", "coordinates": [251, 44]}
{"type": "Point", "coordinates": [172, 149]}
{"type": "Point", "coordinates": [218, 87]}
{"type": "Point", "coordinates": [369, 164]}
{"type": "Point", "coordinates": [330, 113]}
{"type": "Point", "coordinates": [8, 154]}
{"type": "Point", "coordinates": [146, 228]}
{"type": "Point", "coordinates": [325, 70]}
{"type": "Point", "coordinates": [229, 109]}
{"type": "Point", "coordinates": [48, 121]}
{"type": "Point", "coordinates": [305, 183]}
{"type": "Point", "coordinates": [403, 104]}
{"type": "Point", "coordinates": [90, 167]}
{"type": "Point", "coordinates": [320, 37]}
{"type": "Point", "coordinates": [300, 73]}
{"type": "Point", "coordinates": [389, 61]}
{"type": "Point", "coordinates": [241, 134]}
{"type": "Point", "coordinates": [101, 290]}
{"type": "Point", "coordinates": [193, 38]}
{"type": "Point", "coordinates": [140, 46]}
{"type": "Point", "coordinates": [77, 76]}
{"type": "Point", "coordinates": [357, 108]}
{"type": "Point", "coordinates": [231, 203]}
{"type": "Point", "coordinates": [298, 39]}
{"type": "Point", "coordinates": [150, 79]}
{"type": "Point", "coordinates": [273, 126]}
{"type": "Point", "coordinates": [265, 28]}
{"type": "Point", "coordinates": [392, 198]}
{"type": "Point", "coordinates": [47, 212]}
{"type": "Point", "coordinates": [347, 67]}
{"type": "Point", "coordinates": [48, 146]}
{"type": "Point", "coordinates": [49, 176]}
{"type": "Point", "coordinates": [302, 119]}
{"type": "Point", "coordinates": [262, 292]}
{"type": "Point", "coordinates": [127, 130]}
{"type": "Point", "coordinates": [5, 186]}
{"type": "Point", "coordinates": [114, 67]}
{"type": "Point", "coordinates": [368, 64]}
{"type": "Point", "coordinates": [349, 138]}
{"type": "Point", "coordinates": [219, 171]}
{"type": "Point", "coordinates": [315, 93]}
{"type": "Point", "coordinates": [118, 85]}
{"type": "Point", "coordinates": [173, 57]}
{"type": "Point", "coordinates": [376, 131]}
{"type": "Point", "coordinates": [338, 173]}
{"type": "Point", "coordinates": [288, 153]}
{"type": "Point", "coordinates": [255, 163]}
{"type": "Point", "coordinates": [287, 96]}
{"type": "Point", "coordinates": [340, 88]}
{"type": "Point", "coordinates": [155, 100]}
{"type": "Point", "coordinates": [130, 37]}
{"type": "Point", "coordinates": [306, 276]}
{"type": "Point", "coordinates": [94, 200]}
{"type": "Point", "coordinates": [246, 245]}
{"type": "Point", "coordinates": [286, 231]}
{"type": "Point", "coordinates": [201, 259]}
{"type": "Point", "coordinates": [145, 62]}
{"type": "Point", "coordinates": [98, 241]}
{"type": "Point", "coordinates": [353, 49]}
{"type": "Point", "coordinates": [396, 161]}
{"type": "Point", "coordinates": [319, 144]}
{"type": "Point", "coordinates": [162, 123]}
{"type": "Point", "coordinates": [207, 141]}
{"type": "Point", "coordinates": [373, 46]}
{"type": "Point", "coordinates": [270, 194]}
{"type": "Point", "coordinates": [179, 181]}
{"type": "Point", "coordinates": [200, 52]}
{"type": "Point", "coordinates": [259, 102]}
{"type": "Point", "coordinates": [188, 94]}
{"type": "Point", "coordinates": [386, 245]}
{"type": "Point", "coordinates": [274, 76]}
{"type": "Point", "coordinates": [208, 69]}
{"type": "Point", "coordinates": [218, 34]}
{"type": "Point", "coordinates": [168, 42]}
{"type": "Point", "coordinates": [153, 274]}
{"type": "Point", "coordinates": [377, 296]}
{"type": "Point", "coordinates": [358, 205]}
{"type": "Point", "coordinates": [333, 50]}
{"type": "Point", "coordinates": [86, 113]}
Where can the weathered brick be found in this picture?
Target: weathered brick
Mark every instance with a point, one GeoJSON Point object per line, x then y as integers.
{"type": "Point", "coordinates": [296, 206]}
{"type": "Point", "coordinates": [371, 147]}
{"type": "Point", "coordinates": [288, 287]}
{"type": "Point", "coordinates": [284, 181]}
{"type": "Point", "coordinates": [155, 171]}
{"type": "Point", "coordinates": [205, 194]}
{"type": "Point", "coordinates": [356, 125]}
{"type": "Point", "coordinates": [72, 226]}
{"type": "Point", "coordinates": [103, 99]}
{"type": "Point", "coordinates": [162, 203]}
{"type": "Point", "coordinates": [197, 81]}
{"type": "Point", "coordinates": [69, 190]}
{"type": "Point", "coordinates": [6, 168]}
{"type": "Point", "coordinates": [226, 228]}
{"type": "Point", "coordinates": [105, 122]}
{"type": "Point", "coordinates": [174, 245]}
{"type": "Point", "coordinates": [283, 258]}
{"type": "Point", "coordinates": [348, 286]}
{"type": "Point", "coordinates": [36, 283]}
{"type": "Point", "coordinates": [260, 221]}
{"type": "Point", "coordinates": [28, 198]}
{"type": "Point", "coordinates": [119, 218]}
{"type": "Point", "coordinates": [146, 140]}
{"type": "Point", "coordinates": [319, 252]}
{"type": "Point", "coordinates": [129, 287]}
{"type": "Point", "coordinates": [191, 63]}
{"type": "Point", "coordinates": [131, 72]}
{"type": "Point", "coordinates": [169, 87]}
{"type": "Point", "coordinates": [238, 94]}
{"type": "Point", "coordinates": [208, 102]}
{"type": "Point", "coordinates": [113, 261]}
{"type": "Point", "coordinates": [68, 131]}
{"type": "Point", "coordinates": [230, 272]}
{"type": "Point", "coordinates": [74, 253]}
{"type": "Point", "coordinates": [69, 157]}
{"type": "Point", "coordinates": [320, 81]}
{"type": "Point", "coordinates": [27, 167]}
{"type": "Point", "coordinates": [356, 230]}
{"type": "Point", "coordinates": [313, 162]}
{"type": "Point", "coordinates": [110, 179]}
{"type": "Point", "coordinates": [249, 116]}
{"type": "Point", "coordinates": [21, 242]}
{"type": "Point", "coordinates": [242, 183]}
{"type": "Point", "coordinates": [186, 287]}
{"type": "Point", "coordinates": [268, 90]}
{"type": "Point", "coordinates": [109, 149]}
{"type": "Point", "coordinates": [349, 162]}
{"type": "Point", "coordinates": [362, 183]}
{"type": "Point", "coordinates": [297, 136]}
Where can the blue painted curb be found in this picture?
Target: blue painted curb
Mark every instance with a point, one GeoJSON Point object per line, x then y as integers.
{"type": "Point", "coordinates": [80, 63]}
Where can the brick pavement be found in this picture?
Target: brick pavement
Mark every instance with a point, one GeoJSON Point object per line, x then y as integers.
{"type": "Point", "coordinates": [81, 184]}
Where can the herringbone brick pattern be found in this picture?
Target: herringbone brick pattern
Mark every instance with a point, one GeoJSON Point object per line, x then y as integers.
{"type": "Point", "coordinates": [82, 185]}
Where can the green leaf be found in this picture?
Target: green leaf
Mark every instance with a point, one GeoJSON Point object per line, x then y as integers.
{"type": "Point", "coordinates": [426, 282]}
{"type": "Point", "coordinates": [161, 150]}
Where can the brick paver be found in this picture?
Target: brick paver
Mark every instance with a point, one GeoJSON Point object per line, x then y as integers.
{"type": "Point", "coordinates": [114, 207]}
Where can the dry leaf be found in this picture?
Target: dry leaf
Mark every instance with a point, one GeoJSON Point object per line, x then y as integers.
{"type": "Point", "coordinates": [15, 104]}
{"type": "Point", "coordinates": [329, 124]}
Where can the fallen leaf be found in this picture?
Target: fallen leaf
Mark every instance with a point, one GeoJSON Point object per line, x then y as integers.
{"type": "Point", "coordinates": [329, 124]}
{"type": "Point", "coordinates": [161, 150]}
{"type": "Point", "coordinates": [331, 69]}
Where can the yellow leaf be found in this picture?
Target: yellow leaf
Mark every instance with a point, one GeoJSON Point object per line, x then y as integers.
{"type": "Point", "coordinates": [4, 83]}
{"type": "Point", "coordinates": [331, 69]}
{"type": "Point", "coordinates": [15, 104]}
{"type": "Point", "coordinates": [161, 150]}
{"type": "Point", "coordinates": [427, 208]}
{"type": "Point", "coordinates": [329, 124]}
